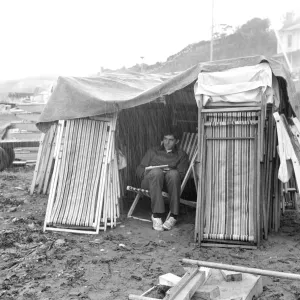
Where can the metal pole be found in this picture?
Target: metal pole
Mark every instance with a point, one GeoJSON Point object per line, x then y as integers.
{"type": "Point", "coordinates": [212, 31]}
{"type": "Point", "coordinates": [283, 50]}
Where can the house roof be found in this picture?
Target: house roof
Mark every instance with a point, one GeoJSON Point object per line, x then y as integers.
{"type": "Point", "coordinates": [294, 25]}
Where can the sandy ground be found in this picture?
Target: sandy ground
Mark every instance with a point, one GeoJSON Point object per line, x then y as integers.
{"type": "Point", "coordinates": [129, 259]}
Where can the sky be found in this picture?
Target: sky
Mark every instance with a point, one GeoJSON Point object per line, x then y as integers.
{"type": "Point", "coordinates": [78, 37]}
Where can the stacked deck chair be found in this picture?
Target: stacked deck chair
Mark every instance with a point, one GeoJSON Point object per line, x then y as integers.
{"type": "Point", "coordinates": [189, 144]}
{"type": "Point", "coordinates": [85, 188]}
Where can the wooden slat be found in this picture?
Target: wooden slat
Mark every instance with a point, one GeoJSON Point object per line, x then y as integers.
{"type": "Point", "coordinates": [62, 186]}
{"type": "Point", "coordinates": [101, 140]}
{"type": "Point", "coordinates": [230, 109]}
{"type": "Point", "coordinates": [46, 157]}
{"type": "Point", "coordinates": [49, 169]}
{"type": "Point", "coordinates": [57, 155]}
{"type": "Point", "coordinates": [69, 201]}
{"type": "Point", "coordinates": [80, 169]}
{"type": "Point", "coordinates": [19, 143]}
{"type": "Point", "coordinates": [31, 127]}
{"type": "Point", "coordinates": [28, 136]}
{"type": "Point", "coordinates": [103, 174]}
{"type": "Point", "coordinates": [90, 162]}
{"type": "Point", "coordinates": [34, 117]}
{"type": "Point", "coordinates": [36, 166]}
{"type": "Point", "coordinates": [32, 108]}
{"type": "Point", "coordinates": [83, 172]}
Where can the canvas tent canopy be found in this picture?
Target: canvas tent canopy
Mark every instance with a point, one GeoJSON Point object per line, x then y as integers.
{"type": "Point", "coordinates": [76, 97]}
{"type": "Point", "coordinates": [147, 104]}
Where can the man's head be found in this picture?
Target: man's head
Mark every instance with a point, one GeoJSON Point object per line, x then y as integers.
{"type": "Point", "coordinates": [170, 139]}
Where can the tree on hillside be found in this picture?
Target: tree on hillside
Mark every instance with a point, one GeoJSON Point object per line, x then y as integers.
{"type": "Point", "coordinates": [252, 38]}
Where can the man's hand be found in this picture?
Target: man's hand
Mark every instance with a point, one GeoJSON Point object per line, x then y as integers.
{"type": "Point", "coordinates": [166, 169]}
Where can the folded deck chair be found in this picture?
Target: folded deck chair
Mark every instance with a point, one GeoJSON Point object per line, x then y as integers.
{"type": "Point", "coordinates": [189, 144]}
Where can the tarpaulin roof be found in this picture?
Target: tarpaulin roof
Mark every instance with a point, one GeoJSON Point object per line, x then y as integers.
{"type": "Point", "coordinates": [76, 97]}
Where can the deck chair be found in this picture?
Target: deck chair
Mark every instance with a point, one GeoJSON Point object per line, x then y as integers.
{"type": "Point", "coordinates": [189, 144]}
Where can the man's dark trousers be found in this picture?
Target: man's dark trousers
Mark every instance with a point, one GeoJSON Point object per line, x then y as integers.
{"type": "Point", "coordinates": [155, 181]}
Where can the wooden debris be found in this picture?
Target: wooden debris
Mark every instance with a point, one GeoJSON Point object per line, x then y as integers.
{"type": "Point", "coordinates": [231, 275]}
{"type": "Point", "coordinates": [137, 297]}
{"type": "Point", "coordinates": [208, 284]}
{"type": "Point", "coordinates": [208, 292]}
{"type": "Point", "coordinates": [184, 289]}
{"type": "Point", "coordinates": [168, 279]}
{"type": "Point", "coordinates": [189, 289]}
{"type": "Point", "coordinates": [173, 292]}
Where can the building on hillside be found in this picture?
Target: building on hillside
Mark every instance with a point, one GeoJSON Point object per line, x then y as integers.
{"type": "Point", "coordinates": [289, 42]}
{"type": "Point", "coordinates": [289, 36]}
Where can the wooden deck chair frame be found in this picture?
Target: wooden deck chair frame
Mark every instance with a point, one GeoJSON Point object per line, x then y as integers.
{"type": "Point", "coordinates": [189, 144]}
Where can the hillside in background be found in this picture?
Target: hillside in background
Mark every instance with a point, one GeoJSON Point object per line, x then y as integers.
{"type": "Point", "coordinates": [253, 38]}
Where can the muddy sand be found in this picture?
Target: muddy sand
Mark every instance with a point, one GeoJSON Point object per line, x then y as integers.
{"type": "Point", "coordinates": [122, 261]}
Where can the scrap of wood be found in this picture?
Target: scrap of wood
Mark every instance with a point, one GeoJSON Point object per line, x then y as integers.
{"type": "Point", "coordinates": [207, 271]}
{"type": "Point", "coordinates": [256, 290]}
{"type": "Point", "coordinates": [168, 279]}
{"type": "Point", "coordinates": [173, 292]}
{"type": "Point", "coordinates": [148, 291]}
{"type": "Point", "coordinates": [231, 275]}
{"type": "Point", "coordinates": [208, 292]}
{"type": "Point", "coordinates": [155, 167]}
{"type": "Point", "coordinates": [189, 289]}
{"type": "Point", "coordinates": [137, 297]}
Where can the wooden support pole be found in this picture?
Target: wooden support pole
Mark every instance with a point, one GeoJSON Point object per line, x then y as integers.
{"type": "Point", "coordinates": [198, 220]}
{"type": "Point", "coordinates": [37, 164]}
{"type": "Point", "coordinates": [258, 199]}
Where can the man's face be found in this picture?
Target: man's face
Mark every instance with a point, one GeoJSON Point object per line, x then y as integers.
{"type": "Point", "coordinates": [169, 142]}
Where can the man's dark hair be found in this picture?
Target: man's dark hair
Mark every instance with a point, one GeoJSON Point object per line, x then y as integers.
{"type": "Point", "coordinates": [173, 131]}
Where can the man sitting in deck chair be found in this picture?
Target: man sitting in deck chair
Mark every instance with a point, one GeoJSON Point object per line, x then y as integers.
{"type": "Point", "coordinates": [164, 167]}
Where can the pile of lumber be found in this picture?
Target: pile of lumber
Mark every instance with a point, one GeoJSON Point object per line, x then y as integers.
{"type": "Point", "coordinates": [85, 188]}
{"type": "Point", "coordinates": [210, 280]}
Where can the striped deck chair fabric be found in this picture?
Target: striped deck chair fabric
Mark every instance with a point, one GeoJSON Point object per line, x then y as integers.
{"type": "Point", "coordinates": [188, 143]}
{"type": "Point", "coordinates": [229, 183]}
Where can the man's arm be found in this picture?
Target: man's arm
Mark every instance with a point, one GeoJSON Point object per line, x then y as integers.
{"type": "Point", "coordinates": [144, 163]}
{"type": "Point", "coordinates": [183, 165]}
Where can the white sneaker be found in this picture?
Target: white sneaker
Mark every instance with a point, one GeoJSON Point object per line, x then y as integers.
{"type": "Point", "coordinates": [169, 224]}
{"type": "Point", "coordinates": [157, 224]}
